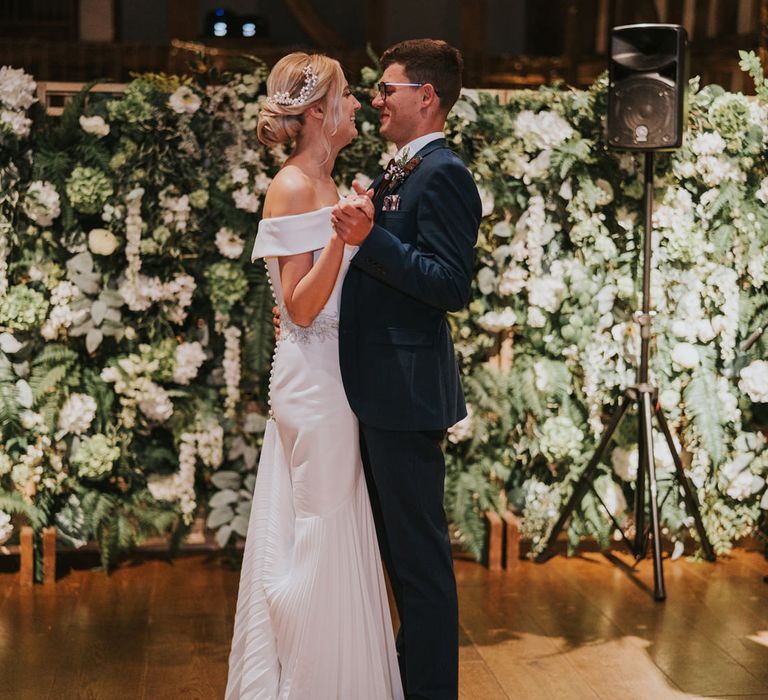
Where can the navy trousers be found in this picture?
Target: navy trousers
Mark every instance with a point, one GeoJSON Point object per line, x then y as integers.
{"type": "Point", "coordinates": [405, 474]}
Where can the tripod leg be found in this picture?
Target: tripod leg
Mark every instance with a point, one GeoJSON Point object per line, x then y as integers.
{"type": "Point", "coordinates": [641, 540]}
{"type": "Point", "coordinates": [658, 571]}
{"type": "Point", "coordinates": [584, 482]}
{"type": "Point", "coordinates": [690, 499]}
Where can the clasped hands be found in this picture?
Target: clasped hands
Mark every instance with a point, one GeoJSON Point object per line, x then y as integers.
{"type": "Point", "coordinates": [352, 217]}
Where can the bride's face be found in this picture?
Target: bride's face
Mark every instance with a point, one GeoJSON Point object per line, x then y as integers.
{"type": "Point", "coordinates": [347, 130]}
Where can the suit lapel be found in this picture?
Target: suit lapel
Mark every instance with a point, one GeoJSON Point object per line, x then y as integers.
{"type": "Point", "coordinates": [380, 187]}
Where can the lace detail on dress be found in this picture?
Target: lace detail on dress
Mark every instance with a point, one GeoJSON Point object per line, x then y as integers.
{"type": "Point", "coordinates": [324, 327]}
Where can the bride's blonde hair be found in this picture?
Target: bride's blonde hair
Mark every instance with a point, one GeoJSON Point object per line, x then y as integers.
{"type": "Point", "coordinates": [290, 93]}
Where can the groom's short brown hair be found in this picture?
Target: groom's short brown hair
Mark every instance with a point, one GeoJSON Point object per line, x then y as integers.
{"type": "Point", "coordinates": [429, 61]}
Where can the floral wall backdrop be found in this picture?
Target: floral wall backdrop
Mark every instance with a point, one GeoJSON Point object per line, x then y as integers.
{"type": "Point", "coordinates": [135, 335]}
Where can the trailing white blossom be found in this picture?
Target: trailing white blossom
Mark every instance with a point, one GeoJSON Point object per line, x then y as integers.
{"type": "Point", "coordinates": [179, 486]}
{"type": "Point", "coordinates": [231, 366]}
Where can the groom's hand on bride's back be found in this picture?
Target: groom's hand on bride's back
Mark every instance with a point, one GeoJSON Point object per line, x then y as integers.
{"type": "Point", "coordinates": [352, 217]}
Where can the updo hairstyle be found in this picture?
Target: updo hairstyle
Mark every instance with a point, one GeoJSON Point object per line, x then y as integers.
{"type": "Point", "coordinates": [282, 123]}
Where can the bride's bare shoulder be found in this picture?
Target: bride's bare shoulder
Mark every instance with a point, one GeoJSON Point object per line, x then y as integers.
{"type": "Point", "coordinates": [290, 192]}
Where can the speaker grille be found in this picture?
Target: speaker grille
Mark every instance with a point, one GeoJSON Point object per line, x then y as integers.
{"type": "Point", "coordinates": [643, 113]}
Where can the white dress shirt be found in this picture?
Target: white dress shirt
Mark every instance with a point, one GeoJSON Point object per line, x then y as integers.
{"type": "Point", "coordinates": [418, 143]}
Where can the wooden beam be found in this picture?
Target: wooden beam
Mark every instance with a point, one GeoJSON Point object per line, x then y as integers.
{"type": "Point", "coordinates": [322, 33]}
{"type": "Point", "coordinates": [49, 556]}
{"type": "Point", "coordinates": [26, 556]}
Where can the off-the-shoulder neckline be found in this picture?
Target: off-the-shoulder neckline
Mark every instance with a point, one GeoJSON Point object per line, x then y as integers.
{"type": "Point", "coordinates": [293, 216]}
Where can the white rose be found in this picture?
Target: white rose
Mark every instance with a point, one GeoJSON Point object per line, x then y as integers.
{"type": "Point", "coordinates": [94, 125]}
{"type": "Point", "coordinates": [754, 381]}
{"type": "Point", "coordinates": [101, 241]}
{"type": "Point", "coordinates": [685, 355]}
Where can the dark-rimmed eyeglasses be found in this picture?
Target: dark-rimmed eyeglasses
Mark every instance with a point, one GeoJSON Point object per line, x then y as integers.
{"type": "Point", "coordinates": [384, 88]}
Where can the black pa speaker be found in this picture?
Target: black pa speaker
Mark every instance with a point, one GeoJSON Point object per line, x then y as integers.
{"type": "Point", "coordinates": [648, 72]}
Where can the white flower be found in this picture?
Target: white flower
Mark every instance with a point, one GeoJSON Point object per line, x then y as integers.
{"type": "Point", "coordinates": [17, 122]}
{"type": "Point", "coordinates": [486, 200]}
{"type": "Point", "coordinates": [464, 429]}
{"type": "Point", "coordinates": [625, 463]}
{"type": "Point", "coordinates": [246, 200]}
{"type": "Point", "coordinates": [154, 401]}
{"type": "Point", "coordinates": [101, 241]}
{"type": "Point", "coordinates": [229, 244]}
{"type": "Point", "coordinates": [543, 130]}
{"type": "Point", "coordinates": [486, 280]}
{"type": "Point", "coordinates": [17, 88]}
{"type": "Point", "coordinates": [94, 125]}
{"type": "Point", "coordinates": [606, 191]}
{"type": "Point", "coordinates": [546, 292]}
{"type": "Point", "coordinates": [42, 203]}
{"type": "Point", "coordinates": [184, 101]}
{"type": "Point", "coordinates": [189, 357]}
{"type": "Point", "coordinates": [495, 321]}
{"type": "Point", "coordinates": [708, 143]}
{"type": "Point", "coordinates": [685, 355]}
{"type": "Point", "coordinates": [762, 193]}
{"type": "Point", "coordinates": [512, 280]}
{"type": "Point", "coordinates": [737, 479]}
{"type": "Point", "coordinates": [6, 528]}
{"type": "Point", "coordinates": [76, 415]}
{"type": "Point", "coordinates": [239, 176]}
{"type": "Point", "coordinates": [536, 317]}
{"type": "Point", "coordinates": [754, 381]}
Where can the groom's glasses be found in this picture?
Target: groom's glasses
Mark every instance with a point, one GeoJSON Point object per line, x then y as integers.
{"type": "Point", "coordinates": [385, 88]}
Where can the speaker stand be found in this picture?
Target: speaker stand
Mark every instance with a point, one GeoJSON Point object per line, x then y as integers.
{"type": "Point", "coordinates": [646, 397]}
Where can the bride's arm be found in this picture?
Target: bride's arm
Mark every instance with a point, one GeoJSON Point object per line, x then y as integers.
{"type": "Point", "coordinates": [306, 287]}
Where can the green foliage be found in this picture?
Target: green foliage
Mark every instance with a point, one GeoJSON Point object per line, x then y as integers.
{"type": "Point", "coordinates": [119, 523]}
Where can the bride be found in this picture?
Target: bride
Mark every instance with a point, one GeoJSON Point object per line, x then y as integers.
{"type": "Point", "coordinates": [312, 619]}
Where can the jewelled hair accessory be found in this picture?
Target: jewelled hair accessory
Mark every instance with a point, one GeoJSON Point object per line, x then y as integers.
{"type": "Point", "coordinates": [307, 88]}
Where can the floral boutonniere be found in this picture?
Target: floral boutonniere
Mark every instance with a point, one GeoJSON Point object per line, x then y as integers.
{"type": "Point", "coordinates": [400, 169]}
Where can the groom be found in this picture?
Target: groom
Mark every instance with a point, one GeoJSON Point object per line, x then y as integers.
{"type": "Point", "coordinates": [415, 263]}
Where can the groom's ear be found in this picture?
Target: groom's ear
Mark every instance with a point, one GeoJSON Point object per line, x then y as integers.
{"type": "Point", "coordinates": [429, 95]}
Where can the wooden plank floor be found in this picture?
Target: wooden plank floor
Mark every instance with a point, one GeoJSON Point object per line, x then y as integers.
{"type": "Point", "coordinates": [585, 627]}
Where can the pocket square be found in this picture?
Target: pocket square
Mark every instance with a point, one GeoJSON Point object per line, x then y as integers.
{"type": "Point", "coordinates": [391, 203]}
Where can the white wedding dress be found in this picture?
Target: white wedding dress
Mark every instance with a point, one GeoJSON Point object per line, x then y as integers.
{"type": "Point", "coordinates": [312, 619]}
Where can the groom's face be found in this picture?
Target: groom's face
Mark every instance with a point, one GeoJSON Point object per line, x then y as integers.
{"type": "Point", "coordinates": [400, 108]}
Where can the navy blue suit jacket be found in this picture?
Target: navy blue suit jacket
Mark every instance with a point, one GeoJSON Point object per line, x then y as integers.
{"type": "Point", "coordinates": [396, 353]}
